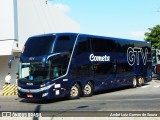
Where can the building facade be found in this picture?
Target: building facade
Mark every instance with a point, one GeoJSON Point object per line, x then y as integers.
{"type": "Point", "coordinates": [20, 19]}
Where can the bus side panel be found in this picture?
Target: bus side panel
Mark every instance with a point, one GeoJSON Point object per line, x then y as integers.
{"type": "Point", "coordinates": [124, 72]}
{"type": "Point", "coordinates": [143, 65]}
{"type": "Point", "coordinates": [81, 69]}
{"type": "Point", "coordinates": [104, 73]}
{"type": "Point", "coordinates": [115, 72]}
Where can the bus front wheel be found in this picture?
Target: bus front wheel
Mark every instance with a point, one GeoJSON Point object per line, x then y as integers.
{"type": "Point", "coordinates": [75, 91]}
{"type": "Point", "coordinates": [88, 90]}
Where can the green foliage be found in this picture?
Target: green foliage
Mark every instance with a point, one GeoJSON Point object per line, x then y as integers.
{"type": "Point", "coordinates": [153, 36]}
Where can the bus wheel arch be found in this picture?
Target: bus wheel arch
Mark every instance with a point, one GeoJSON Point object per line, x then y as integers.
{"type": "Point", "coordinates": [88, 89]}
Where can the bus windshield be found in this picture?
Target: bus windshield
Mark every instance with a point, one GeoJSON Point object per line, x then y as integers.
{"type": "Point", "coordinates": [34, 71]}
{"type": "Point", "coordinates": [56, 65]}
{"type": "Point", "coordinates": [38, 46]}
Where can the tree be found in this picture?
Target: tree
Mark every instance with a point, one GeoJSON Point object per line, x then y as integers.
{"type": "Point", "coordinates": [153, 36]}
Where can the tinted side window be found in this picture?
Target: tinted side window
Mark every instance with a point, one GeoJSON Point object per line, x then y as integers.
{"type": "Point", "coordinates": [102, 45]}
{"type": "Point", "coordinates": [64, 44]}
{"type": "Point", "coordinates": [59, 66]}
{"type": "Point", "coordinates": [123, 45]}
{"type": "Point", "coordinates": [83, 45]}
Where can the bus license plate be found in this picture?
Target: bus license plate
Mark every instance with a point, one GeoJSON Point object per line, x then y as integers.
{"type": "Point", "coordinates": [29, 95]}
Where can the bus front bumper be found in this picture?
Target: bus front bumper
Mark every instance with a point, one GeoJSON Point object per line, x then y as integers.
{"type": "Point", "coordinates": [39, 93]}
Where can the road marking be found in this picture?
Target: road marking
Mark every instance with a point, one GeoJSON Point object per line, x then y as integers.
{"type": "Point", "coordinates": [144, 86]}
{"type": "Point", "coordinates": [103, 109]}
{"type": "Point", "coordinates": [157, 86]}
{"type": "Point", "coordinates": [123, 100]}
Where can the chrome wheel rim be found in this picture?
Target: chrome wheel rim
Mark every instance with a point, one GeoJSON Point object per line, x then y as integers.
{"type": "Point", "coordinates": [87, 89]}
{"type": "Point", "coordinates": [74, 91]}
{"type": "Point", "coordinates": [134, 82]}
{"type": "Point", "coordinates": [140, 81]}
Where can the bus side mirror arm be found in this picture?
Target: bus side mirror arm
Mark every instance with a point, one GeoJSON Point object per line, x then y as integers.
{"type": "Point", "coordinates": [11, 60]}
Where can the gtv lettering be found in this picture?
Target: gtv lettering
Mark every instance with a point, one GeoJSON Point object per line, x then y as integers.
{"type": "Point", "coordinates": [92, 57]}
{"type": "Point", "coordinates": [133, 55]}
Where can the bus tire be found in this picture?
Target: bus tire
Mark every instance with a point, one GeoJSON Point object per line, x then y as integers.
{"type": "Point", "coordinates": [88, 90]}
{"type": "Point", "coordinates": [134, 82]}
{"type": "Point", "coordinates": [75, 91]}
{"type": "Point", "coordinates": [140, 81]}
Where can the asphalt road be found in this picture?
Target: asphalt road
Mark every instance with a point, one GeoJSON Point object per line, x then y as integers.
{"type": "Point", "coordinates": [145, 98]}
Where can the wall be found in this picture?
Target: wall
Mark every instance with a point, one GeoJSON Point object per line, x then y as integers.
{"type": "Point", "coordinates": [4, 69]}
{"type": "Point", "coordinates": [36, 17]}
{"type": "Point", "coordinates": [20, 19]}
{"type": "Point", "coordinates": [6, 19]}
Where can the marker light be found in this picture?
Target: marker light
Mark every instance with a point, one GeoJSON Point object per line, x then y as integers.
{"type": "Point", "coordinates": [23, 49]}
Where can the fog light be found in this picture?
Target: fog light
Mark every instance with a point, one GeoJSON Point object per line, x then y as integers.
{"type": "Point", "coordinates": [44, 94]}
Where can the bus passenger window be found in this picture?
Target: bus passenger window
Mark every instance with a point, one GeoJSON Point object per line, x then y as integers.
{"type": "Point", "coordinates": [83, 45]}
{"type": "Point", "coordinates": [55, 72]}
{"type": "Point", "coordinates": [64, 44]}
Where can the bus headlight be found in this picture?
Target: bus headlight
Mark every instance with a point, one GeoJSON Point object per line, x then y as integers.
{"type": "Point", "coordinates": [44, 88]}
{"type": "Point", "coordinates": [19, 88]}
{"type": "Point", "coordinates": [47, 87]}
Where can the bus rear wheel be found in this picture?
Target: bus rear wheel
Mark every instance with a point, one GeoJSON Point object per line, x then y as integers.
{"type": "Point", "coordinates": [88, 90]}
{"type": "Point", "coordinates": [75, 91]}
{"type": "Point", "coordinates": [134, 82]}
{"type": "Point", "coordinates": [140, 81]}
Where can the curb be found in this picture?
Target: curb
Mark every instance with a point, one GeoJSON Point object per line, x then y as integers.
{"type": "Point", "coordinates": [1, 92]}
{"type": "Point", "coordinates": [157, 81]}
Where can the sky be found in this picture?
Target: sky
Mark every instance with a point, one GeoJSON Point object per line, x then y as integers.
{"type": "Point", "coordinates": [128, 19]}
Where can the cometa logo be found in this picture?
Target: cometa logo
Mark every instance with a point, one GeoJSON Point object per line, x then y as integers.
{"type": "Point", "coordinates": [92, 57]}
{"type": "Point", "coordinates": [133, 55]}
